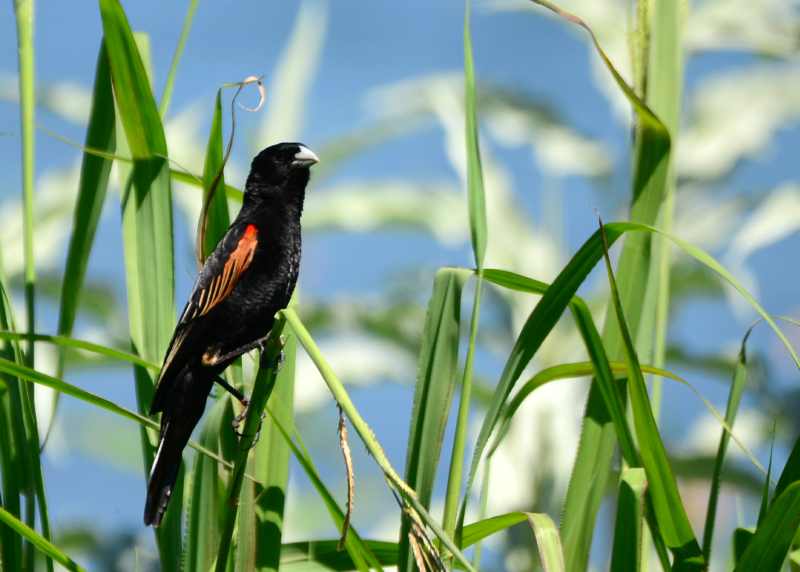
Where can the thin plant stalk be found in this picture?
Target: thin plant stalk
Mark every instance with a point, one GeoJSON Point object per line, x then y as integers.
{"type": "Point", "coordinates": [665, 83]}
{"type": "Point", "coordinates": [367, 436]}
{"type": "Point", "coordinates": [24, 11]}
{"type": "Point", "coordinates": [462, 421]}
{"type": "Point", "coordinates": [262, 389]}
{"type": "Point", "coordinates": [166, 96]}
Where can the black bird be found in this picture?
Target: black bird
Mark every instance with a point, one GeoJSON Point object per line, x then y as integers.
{"type": "Point", "coordinates": [249, 277]}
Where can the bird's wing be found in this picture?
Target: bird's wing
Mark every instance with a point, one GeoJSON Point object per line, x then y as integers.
{"type": "Point", "coordinates": [219, 276]}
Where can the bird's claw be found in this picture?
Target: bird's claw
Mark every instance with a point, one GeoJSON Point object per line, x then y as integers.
{"type": "Point", "coordinates": [241, 417]}
{"type": "Point", "coordinates": [237, 421]}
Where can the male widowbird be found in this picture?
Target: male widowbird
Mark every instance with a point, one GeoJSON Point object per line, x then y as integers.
{"type": "Point", "coordinates": [249, 276]}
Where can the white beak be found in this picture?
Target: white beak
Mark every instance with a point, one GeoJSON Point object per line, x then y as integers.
{"type": "Point", "coordinates": [305, 157]}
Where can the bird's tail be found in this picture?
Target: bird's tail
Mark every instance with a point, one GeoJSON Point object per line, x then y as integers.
{"type": "Point", "coordinates": [164, 471]}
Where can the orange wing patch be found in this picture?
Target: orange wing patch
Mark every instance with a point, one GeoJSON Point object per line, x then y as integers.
{"type": "Point", "coordinates": [224, 283]}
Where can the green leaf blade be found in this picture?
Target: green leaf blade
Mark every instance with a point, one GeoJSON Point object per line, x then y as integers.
{"type": "Point", "coordinates": [436, 379]}
{"type": "Point", "coordinates": [626, 554]}
{"type": "Point", "coordinates": [475, 192]}
{"type": "Point", "coordinates": [768, 548]}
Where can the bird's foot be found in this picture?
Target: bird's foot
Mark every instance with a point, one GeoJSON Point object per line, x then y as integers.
{"type": "Point", "coordinates": [241, 417]}
{"type": "Point", "coordinates": [237, 421]}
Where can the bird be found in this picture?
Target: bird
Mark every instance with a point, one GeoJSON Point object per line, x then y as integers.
{"type": "Point", "coordinates": [249, 276]}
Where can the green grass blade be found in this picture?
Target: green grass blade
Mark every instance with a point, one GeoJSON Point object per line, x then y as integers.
{"type": "Point", "coordinates": [206, 494]}
{"type": "Point", "coordinates": [367, 436]}
{"type": "Point", "coordinates": [22, 372]}
{"type": "Point", "coordinates": [92, 187]}
{"type": "Point", "coordinates": [18, 449]}
{"type": "Point", "coordinates": [436, 377]}
{"type": "Point", "coordinates": [232, 193]}
{"type": "Point", "coordinates": [537, 327]}
{"type": "Point", "coordinates": [548, 541]}
{"type": "Point", "coordinates": [24, 14]}
{"type": "Point", "coordinates": [732, 407]}
{"type": "Point", "coordinates": [664, 93]}
{"type": "Point", "coordinates": [214, 217]}
{"type": "Point", "coordinates": [611, 403]}
{"type": "Point", "coordinates": [324, 555]}
{"type": "Point", "coordinates": [271, 463]}
{"type": "Point", "coordinates": [50, 550]}
{"type": "Point", "coordinates": [663, 487]}
{"type": "Point", "coordinates": [147, 234]}
{"type": "Point", "coordinates": [262, 389]}
{"type": "Point", "coordinates": [741, 538]}
{"type": "Point", "coordinates": [791, 471]}
{"type": "Point", "coordinates": [31, 375]}
{"type": "Point", "coordinates": [768, 548]}
{"type": "Point", "coordinates": [626, 554]}
{"type": "Point", "coordinates": [762, 511]}
{"type": "Point", "coordinates": [483, 508]}
{"type": "Point", "coordinates": [95, 171]}
{"type": "Point", "coordinates": [595, 449]}
{"type": "Point", "coordinates": [477, 531]}
{"type": "Point", "coordinates": [12, 468]}
{"type": "Point", "coordinates": [66, 342]}
{"type": "Point", "coordinates": [475, 194]}
{"type": "Point", "coordinates": [557, 372]}
{"type": "Point", "coordinates": [557, 297]}
{"type": "Point", "coordinates": [712, 264]}
{"type": "Point", "coordinates": [166, 97]}
{"type": "Point", "coordinates": [479, 234]}
{"type": "Point", "coordinates": [243, 553]}
{"type": "Point", "coordinates": [361, 556]}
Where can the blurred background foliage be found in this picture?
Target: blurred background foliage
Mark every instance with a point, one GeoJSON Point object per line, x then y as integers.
{"type": "Point", "coordinates": [376, 90]}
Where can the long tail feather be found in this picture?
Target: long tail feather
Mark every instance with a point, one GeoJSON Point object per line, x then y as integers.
{"type": "Point", "coordinates": [163, 474]}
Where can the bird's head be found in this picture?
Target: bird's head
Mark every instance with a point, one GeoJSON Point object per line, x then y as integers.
{"type": "Point", "coordinates": [281, 168]}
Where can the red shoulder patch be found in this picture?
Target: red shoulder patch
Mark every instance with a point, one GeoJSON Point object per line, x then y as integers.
{"type": "Point", "coordinates": [223, 284]}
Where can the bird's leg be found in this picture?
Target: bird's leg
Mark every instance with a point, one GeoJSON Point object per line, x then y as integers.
{"type": "Point", "coordinates": [233, 391]}
{"type": "Point", "coordinates": [212, 359]}
{"type": "Point", "coordinates": [240, 398]}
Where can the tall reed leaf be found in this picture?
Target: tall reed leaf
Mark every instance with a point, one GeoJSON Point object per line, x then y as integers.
{"type": "Point", "coordinates": [663, 487]}
{"type": "Point", "coordinates": [478, 233]}
{"type": "Point", "coordinates": [732, 407]}
{"type": "Point", "coordinates": [214, 217]}
{"type": "Point", "coordinates": [555, 300]}
{"type": "Point", "coordinates": [791, 471]}
{"type": "Point", "coordinates": [361, 555]}
{"type": "Point", "coordinates": [262, 389]}
{"type": "Point", "coordinates": [436, 378]}
{"type": "Point", "coordinates": [206, 493]}
{"type": "Point", "coordinates": [324, 556]}
{"type": "Point", "coordinates": [92, 187]}
{"type": "Point", "coordinates": [610, 392]}
{"type": "Point", "coordinates": [31, 375]}
{"type": "Point", "coordinates": [768, 548]}
{"type": "Point", "coordinates": [595, 449]}
{"type": "Point", "coordinates": [475, 194]}
{"type": "Point", "coordinates": [271, 463]}
{"type": "Point", "coordinates": [147, 234]}
{"type": "Point", "coordinates": [626, 554]}
{"type": "Point", "coordinates": [51, 551]}
{"type": "Point", "coordinates": [548, 542]}
{"type": "Point", "coordinates": [14, 462]}
{"type": "Point", "coordinates": [25, 17]}
{"type": "Point", "coordinates": [320, 555]}
{"type": "Point", "coordinates": [166, 97]}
